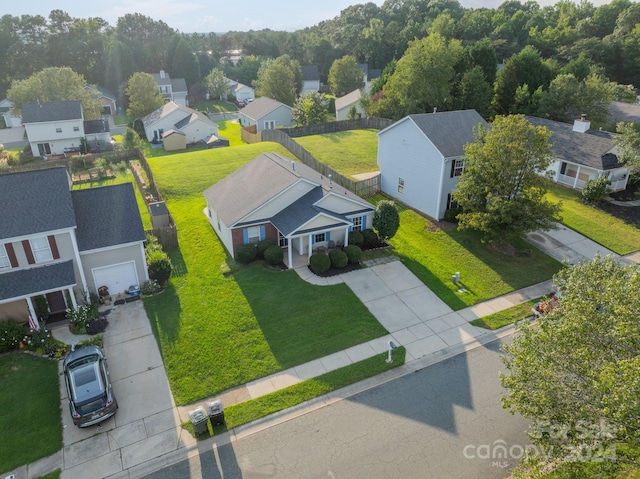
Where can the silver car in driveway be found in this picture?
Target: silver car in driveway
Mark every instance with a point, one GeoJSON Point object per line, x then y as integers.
{"type": "Point", "coordinates": [86, 376]}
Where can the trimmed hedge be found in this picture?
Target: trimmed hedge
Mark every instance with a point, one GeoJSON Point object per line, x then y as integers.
{"type": "Point", "coordinates": [338, 258]}
{"type": "Point", "coordinates": [353, 252]}
{"type": "Point", "coordinates": [273, 255]}
{"type": "Point", "coordinates": [370, 239]}
{"type": "Point", "coordinates": [262, 247]}
{"type": "Point", "coordinates": [356, 238]}
{"type": "Point", "coordinates": [246, 253]}
{"type": "Point", "coordinates": [319, 263]}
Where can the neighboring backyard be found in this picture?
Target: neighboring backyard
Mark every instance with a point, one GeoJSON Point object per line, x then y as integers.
{"type": "Point", "coordinates": [348, 152]}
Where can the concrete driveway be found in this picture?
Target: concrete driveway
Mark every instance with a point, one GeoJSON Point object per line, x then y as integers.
{"type": "Point", "coordinates": [146, 425]}
{"type": "Point", "coordinates": [12, 137]}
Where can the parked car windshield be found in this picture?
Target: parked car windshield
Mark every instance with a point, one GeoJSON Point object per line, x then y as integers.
{"type": "Point", "coordinates": [92, 406]}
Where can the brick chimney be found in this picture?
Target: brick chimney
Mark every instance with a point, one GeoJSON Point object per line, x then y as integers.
{"type": "Point", "coordinates": [581, 125]}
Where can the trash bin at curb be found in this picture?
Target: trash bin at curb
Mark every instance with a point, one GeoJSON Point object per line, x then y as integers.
{"type": "Point", "coordinates": [199, 420]}
{"type": "Point", "coordinates": [216, 413]}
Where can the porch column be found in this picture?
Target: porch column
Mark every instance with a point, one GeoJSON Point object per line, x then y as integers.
{"type": "Point", "coordinates": [346, 236]}
{"type": "Point", "coordinates": [73, 298]}
{"type": "Point", "coordinates": [309, 247]}
{"type": "Point", "coordinates": [575, 182]}
{"type": "Point", "coordinates": [32, 313]}
{"type": "Point", "coordinates": [289, 254]}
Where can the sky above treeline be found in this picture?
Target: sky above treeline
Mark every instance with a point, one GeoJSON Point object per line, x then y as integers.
{"type": "Point", "coordinates": [203, 16]}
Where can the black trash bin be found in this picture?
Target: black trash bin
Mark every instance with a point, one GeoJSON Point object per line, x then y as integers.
{"type": "Point", "coordinates": [199, 420]}
{"type": "Point", "coordinates": [216, 413]}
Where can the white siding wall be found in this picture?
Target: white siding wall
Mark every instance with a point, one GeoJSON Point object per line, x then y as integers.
{"type": "Point", "coordinates": [165, 123]}
{"type": "Point", "coordinates": [343, 113]}
{"type": "Point", "coordinates": [46, 133]}
{"type": "Point", "coordinates": [340, 204]}
{"type": "Point", "coordinates": [405, 152]}
{"type": "Point", "coordinates": [245, 93]}
{"type": "Point", "coordinates": [91, 260]}
{"type": "Point", "coordinates": [224, 233]}
{"type": "Point", "coordinates": [281, 115]}
{"type": "Point", "coordinates": [199, 130]}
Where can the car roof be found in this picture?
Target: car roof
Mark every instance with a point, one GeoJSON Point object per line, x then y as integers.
{"type": "Point", "coordinates": [80, 353]}
{"type": "Point", "coordinates": [86, 381]}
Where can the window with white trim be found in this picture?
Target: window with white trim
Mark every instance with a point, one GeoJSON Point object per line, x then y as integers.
{"type": "Point", "coordinates": [269, 124]}
{"type": "Point", "coordinates": [400, 185]}
{"type": "Point", "coordinates": [357, 223]}
{"type": "Point", "coordinates": [451, 203]}
{"type": "Point", "coordinates": [41, 249]}
{"type": "Point", "coordinates": [4, 258]}
{"type": "Point", "coordinates": [253, 234]}
{"type": "Point", "coordinates": [283, 242]}
{"type": "Point", "coordinates": [457, 168]}
{"type": "Point", "coordinates": [76, 128]}
{"type": "Point", "coordinates": [319, 238]}
{"type": "Point", "coordinates": [58, 130]}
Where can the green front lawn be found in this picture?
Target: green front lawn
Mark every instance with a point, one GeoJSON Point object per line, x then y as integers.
{"type": "Point", "coordinates": [508, 316]}
{"type": "Point", "coordinates": [230, 129]}
{"type": "Point", "coordinates": [607, 230]}
{"type": "Point", "coordinates": [434, 255]}
{"type": "Point", "coordinates": [215, 331]}
{"type": "Point", "coordinates": [348, 152]}
{"type": "Point", "coordinates": [30, 419]}
{"type": "Point", "coordinates": [213, 106]}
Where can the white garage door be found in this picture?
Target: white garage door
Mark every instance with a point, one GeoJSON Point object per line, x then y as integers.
{"type": "Point", "coordinates": [117, 277]}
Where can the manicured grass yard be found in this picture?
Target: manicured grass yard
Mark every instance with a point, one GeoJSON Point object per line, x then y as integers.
{"type": "Point", "coordinates": [213, 106]}
{"type": "Point", "coordinates": [30, 419]}
{"type": "Point", "coordinates": [507, 316]}
{"type": "Point", "coordinates": [217, 331]}
{"type": "Point", "coordinates": [348, 152]}
{"type": "Point", "coordinates": [607, 230]}
{"type": "Point", "coordinates": [435, 254]}
{"type": "Point", "coordinates": [230, 129]}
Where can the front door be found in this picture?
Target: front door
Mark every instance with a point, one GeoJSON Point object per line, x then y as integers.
{"type": "Point", "coordinates": [56, 302]}
{"type": "Point", "coordinates": [44, 149]}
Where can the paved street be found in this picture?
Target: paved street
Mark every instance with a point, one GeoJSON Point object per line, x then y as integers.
{"type": "Point", "coordinates": [434, 423]}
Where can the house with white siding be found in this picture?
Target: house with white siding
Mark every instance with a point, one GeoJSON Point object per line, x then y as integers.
{"type": "Point", "coordinates": [266, 113]}
{"type": "Point", "coordinates": [53, 127]}
{"type": "Point", "coordinates": [196, 126]}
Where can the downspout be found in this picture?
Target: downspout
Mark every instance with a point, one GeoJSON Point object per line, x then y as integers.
{"type": "Point", "coordinates": [440, 188]}
{"type": "Point", "coordinates": [85, 289]}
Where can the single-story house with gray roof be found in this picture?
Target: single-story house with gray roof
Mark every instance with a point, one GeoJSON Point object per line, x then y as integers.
{"type": "Point", "coordinates": [421, 158]}
{"type": "Point", "coordinates": [195, 126]}
{"type": "Point", "coordinates": [581, 154]}
{"type": "Point", "coordinates": [59, 243]}
{"type": "Point", "coordinates": [266, 113]}
{"type": "Point", "coordinates": [274, 197]}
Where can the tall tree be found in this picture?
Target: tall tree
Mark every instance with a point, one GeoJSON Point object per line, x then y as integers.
{"type": "Point", "coordinates": [55, 84]}
{"type": "Point", "coordinates": [310, 109]}
{"type": "Point", "coordinates": [483, 54]}
{"type": "Point", "coordinates": [276, 80]}
{"type": "Point", "coordinates": [146, 39]}
{"type": "Point", "coordinates": [217, 84]}
{"type": "Point", "coordinates": [144, 95]}
{"type": "Point", "coordinates": [345, 76]}
{"type": "Point", "coordinates": [501, 191]}
{"type": "Point", "coordinates": [475, 92]}
{"type": "Point", "coordinates": [628, 145]}
{"type": "Point", "coordinates": [576, 373]}
{"type": "Point", "coordinates": [119, 67]}
{"type": "Point", "coordinates": [185, 63]}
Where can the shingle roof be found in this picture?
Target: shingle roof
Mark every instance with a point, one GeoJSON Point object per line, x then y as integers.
{"type": "Point", "coordinates": [39, 112]}
{"type": "Point", "coordinates": [297, 213]}
{"type": "Point", "coordinates": [30, 281]}
{"type": "Point", "coordinates": [621, 111]}
{"type": "Point", "coordinates": [251, 186]}
{"type": "Point", "coordinates": [171, 106]}
{"type": "Point", "coordinates": [107, 216]}
{"type": "Point", "coordinates": [158, 208]}
{"type": "Point", "coordinates": [592, 148]}
{"type": "Point", "coordinates": [34, 202]}
{"type": "Point", "coordinates": [96, 126]}
{"type": "Point", "coordinates": [449, 131]}
{"type": "Point", "coordinates": [348, 99]}
{"type": "Point", "coordinates": [178, 85]}
{"type": "Point", "coordinates": [162, 78]}
{"type": "Point", "coordinates": [310, 73]}
{"type": "Point", "coordinates": [260, 107]}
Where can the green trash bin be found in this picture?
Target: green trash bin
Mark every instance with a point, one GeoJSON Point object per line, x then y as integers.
{"type": "Point", "coordinates": [199, 419]}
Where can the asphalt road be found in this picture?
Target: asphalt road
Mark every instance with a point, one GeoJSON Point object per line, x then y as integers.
{"type": "Point", "coordinates": [444, 421]}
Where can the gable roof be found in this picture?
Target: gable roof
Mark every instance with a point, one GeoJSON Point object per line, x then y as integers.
{"type": "Point", "coordinates": [162, 78]}
{"type": "Point", "coordinates": [310, 73]}
{"type": "Point", "coordinates": [592, 148]}
{"type": "Point", "coordinates": [96, 126]}
{"type": "Point", "coordinates": [39, 112]}
{"type": "Point", "coordinates": [449, 131]}
{"type": "Point", "coordinates": [35, 202]}
{"type": "Point", "coordinates": [261, 107]}
{"type": "Point", "coordinates": [121, 224]}
{"type": "Point", "coordinates": [171, 106]}
{"type": "Point", "coordinates": [260, 180]}
{"type": "Point", "coordinates": [178, 85]}
{"type": "Point", "coordinates": [348, 99]}
{"type": "Point", "coordinates": [27, 281]}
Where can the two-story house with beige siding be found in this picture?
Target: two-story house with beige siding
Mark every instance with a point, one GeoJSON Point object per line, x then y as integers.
{"type": "Point", "coordinates": [61, 244]}
{"type": "Point", "coordinates": [53, 127]}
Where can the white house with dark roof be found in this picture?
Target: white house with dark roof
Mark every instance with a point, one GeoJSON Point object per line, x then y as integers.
{"type": "Point", "coordinates": [194, 125]}
{"type": "Point", "coordinates": [172, 89]}
{"type": "Point", "coordinates": [55, 243]}
{"type": "Point", "coordinates": [581, 154]}
{"type": "Point", "coordinates": [274, 197]}
{"type": "Point", "coordinates": [5, 110]}
{"type": "Point", "coordinates": [266, 113]}
{"type": "Point", "coordinates": [53, 127]}
{"type": "Point", "coordinates": [241, 91]}
{"type": "Point", "coordinates": [369, 74]}
{"type": "Point", "coordinates": [310, 79]}
{"type": "Point", "coordinates": [344, 104]}
{"type": "Point", "coordinates": [421, 158]}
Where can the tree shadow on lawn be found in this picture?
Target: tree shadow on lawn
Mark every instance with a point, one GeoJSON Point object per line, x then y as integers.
{"type": "Point", "coordinates": [178, 266]}
{"type": "Point", "coordinates": [164, 313]}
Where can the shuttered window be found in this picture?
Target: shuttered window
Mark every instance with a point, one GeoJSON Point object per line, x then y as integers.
{"type": "Point", "coordinates": [41, 249]}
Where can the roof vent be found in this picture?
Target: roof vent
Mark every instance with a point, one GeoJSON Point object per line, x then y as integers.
{"type": "Point", "coordinates": [330, 182]}
{"type": "Point", "coordinates": [581, 125]}
{"type": "Point", "coordinates": [293, 165]}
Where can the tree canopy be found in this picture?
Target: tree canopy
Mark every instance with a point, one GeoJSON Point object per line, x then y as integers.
{"type": "Point", "coordinates": [310, 109]}
{"type": "Point", "coordinates": [345, 76]}
{"type": "Point", "coordinates": [628, 145]}
{"type": "Point", "coordinates": [144, 95]}
{"type": "Point", "coordinates": [501, 191]}
{"type": "Point", "coordinates": [576, 373]}
{"type": "Point", "coordinates": [55, 84]}
{"type": "Point", "coordinates": [280, 79]}
{"type": "Point", "coordinates": [217, 84]}
{"type": "Point", "coordinates": [386, 219]}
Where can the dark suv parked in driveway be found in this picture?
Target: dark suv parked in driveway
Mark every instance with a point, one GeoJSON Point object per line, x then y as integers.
{"type": "Point", "coordinates": [86, 376]}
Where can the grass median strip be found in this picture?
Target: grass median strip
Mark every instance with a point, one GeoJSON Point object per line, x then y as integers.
{"type": "Point", "coordinates": [248, 411]}
{"type": "Point", "coordinates": [508, 316]}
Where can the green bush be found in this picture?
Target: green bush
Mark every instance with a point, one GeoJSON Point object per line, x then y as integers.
{"type": "Point", "coordinates": [356, 238]}
{"type": "Point", "coordinates": [353, 252]}
{"type": "Point", "coordinates": [262, 246]}
{"type": "Point", "coordinates": [11, 333]}
{"type": "Point", "coordinates": [159, 266]}
{"type": "Point", "coordinates": [338, 258]}
{"type": "Point", "coordinates": [386, 219]}
{"type": "Point", "coordinates": [319, 263]}
{"type": "Point", "coordinates": [149, 288]}
{"type": "Point", "coordinates": [596, 189]}
{"type": "Point", "coordinates": [273, 255]}
{"type": "Point", "coordinates": [451, 213]}
{"type": "Point", "coordinates": [81, 316]}
{"type": "Point", "coordinates": [370, 239]}
{"type": "Point", "coordinates": [246, 253]}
